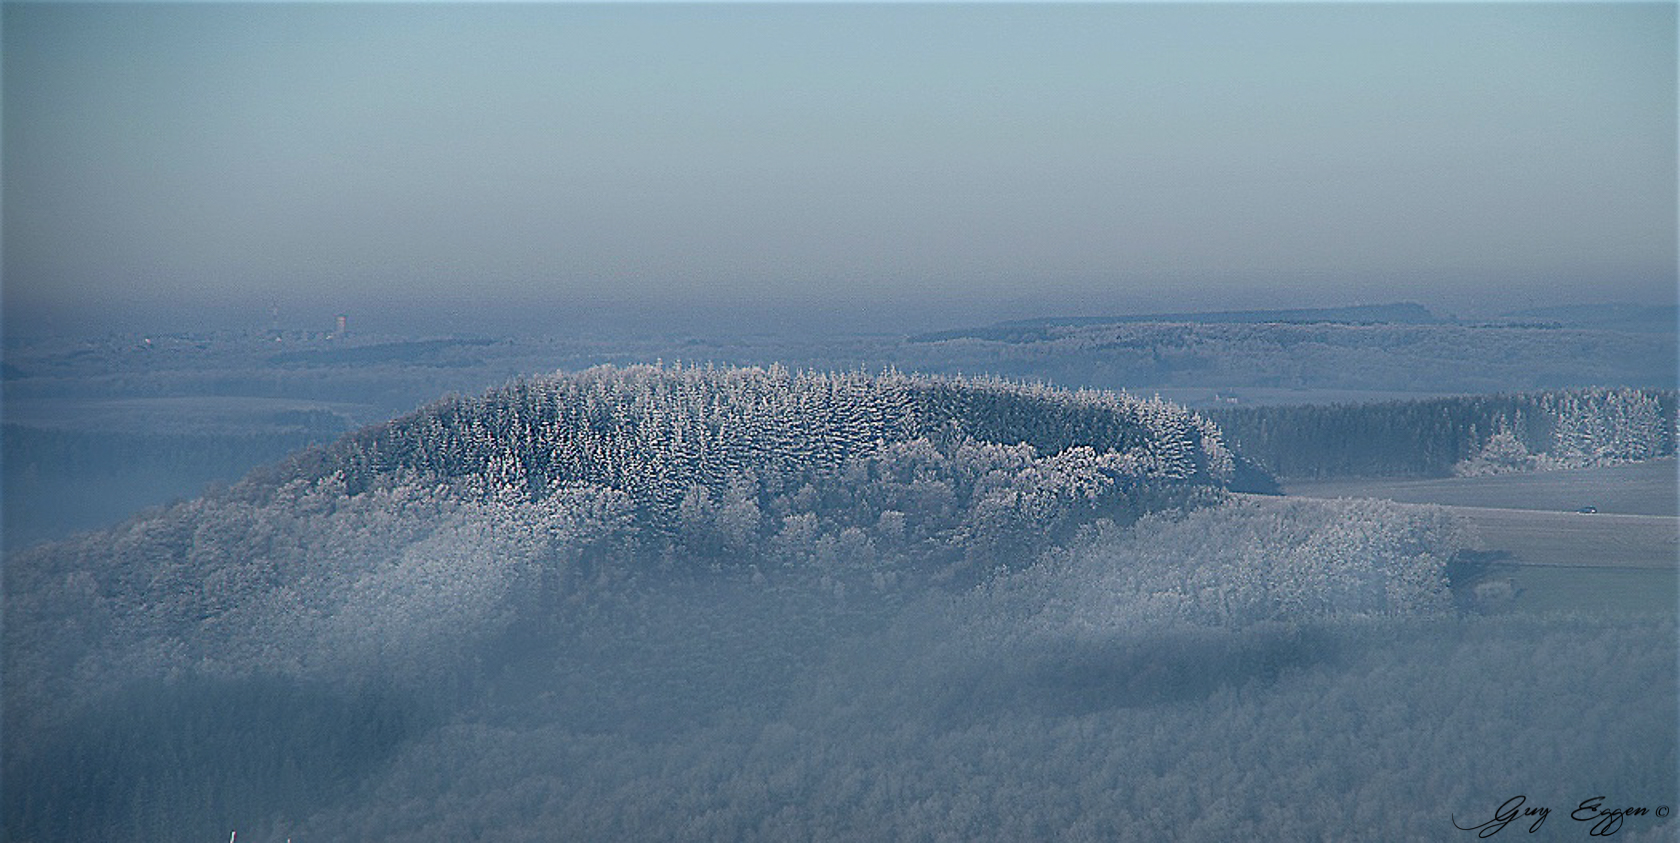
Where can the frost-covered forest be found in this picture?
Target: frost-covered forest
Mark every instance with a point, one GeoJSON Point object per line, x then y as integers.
{"type": "Point", "coordinates": [706, 602]}
{"type": "Point", "coordinates": [1466, 435]}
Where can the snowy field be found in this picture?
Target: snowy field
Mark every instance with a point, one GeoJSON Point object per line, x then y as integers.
{"type": "Point", "coordinates": [1644, 488]}
{"type": "Point", "coordinates": [1622, 558]}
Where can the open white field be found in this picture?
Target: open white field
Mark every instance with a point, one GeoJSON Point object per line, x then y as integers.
{"type": "Point", "coordinates": [1568, 561]}
{"type": "Point", "coordinates": [1647, 488]}
{"type": "Point", "coordinates": [1572, 539]}
{"type": "Point", "coordinates": [1543, 588]}
{"type": "Point", "coordinates": [1562, 561]}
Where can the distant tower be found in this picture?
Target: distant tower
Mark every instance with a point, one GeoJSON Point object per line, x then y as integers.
{"type": "Point", "coordinates": [340, 332]}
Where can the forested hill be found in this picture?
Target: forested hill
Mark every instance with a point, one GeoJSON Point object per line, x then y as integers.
{"type": "Point", "coordinates": [666, 435]}
{"type": "Point", "coordinates": [402, 544]}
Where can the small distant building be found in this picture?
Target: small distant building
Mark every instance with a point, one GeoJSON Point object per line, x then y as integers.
{"type": "Point", "coordinates": [339, 331]}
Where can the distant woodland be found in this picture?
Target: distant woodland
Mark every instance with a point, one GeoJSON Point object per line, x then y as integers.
{"type": "Point", "coordinates": [1464, 435]}
{"type": "Point", "coordinates": [1394, 357]}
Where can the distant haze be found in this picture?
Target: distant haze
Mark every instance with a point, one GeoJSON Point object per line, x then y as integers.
{"type": "Point", "coordinates": [807, 167]}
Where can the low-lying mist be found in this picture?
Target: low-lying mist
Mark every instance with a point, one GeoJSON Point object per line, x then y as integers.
{"type": "Point", "coordinates": [1110, 691]}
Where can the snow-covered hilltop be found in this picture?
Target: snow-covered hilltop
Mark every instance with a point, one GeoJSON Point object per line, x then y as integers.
{"type": "Point", "coordinates": [705, 462]}
{"type": "Point", "coordinates": [431, 534]}
{"type": "Point", "coordinates": [657, 432]}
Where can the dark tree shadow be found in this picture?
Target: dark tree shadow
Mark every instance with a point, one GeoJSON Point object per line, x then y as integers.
{"type": "Point", "coordinates": [1085, 676]}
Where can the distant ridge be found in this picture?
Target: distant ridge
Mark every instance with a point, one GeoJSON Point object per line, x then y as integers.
{"type": "Point", "coordinates": [1027, 330]}
{"type": "Point", "coordinates": [1610, 317]}
{"type": "Point", "coordinates": [416, 352]}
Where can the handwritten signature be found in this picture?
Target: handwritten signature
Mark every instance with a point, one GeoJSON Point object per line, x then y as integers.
{"type": "Point", "coordinates": [1605, 821]}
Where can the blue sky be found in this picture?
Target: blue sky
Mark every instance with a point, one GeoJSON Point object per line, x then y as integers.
{"type": "Point", "coordinates": [902, 166]}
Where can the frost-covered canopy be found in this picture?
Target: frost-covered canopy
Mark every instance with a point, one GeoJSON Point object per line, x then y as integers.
{"type": "Point", "coordinates": [654, 432]}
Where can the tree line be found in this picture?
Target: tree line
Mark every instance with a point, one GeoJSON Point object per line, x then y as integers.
{"type": "Point", "coordinates": [1430, 437]}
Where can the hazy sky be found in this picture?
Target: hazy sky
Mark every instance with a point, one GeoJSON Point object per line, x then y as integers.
{"type": "Point", "coordinates": [917, 166]}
